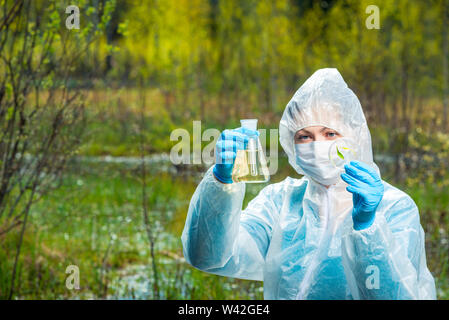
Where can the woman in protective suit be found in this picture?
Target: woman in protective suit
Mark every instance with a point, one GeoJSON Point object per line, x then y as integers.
{"type": "Point", "coordinates": [328, 235]}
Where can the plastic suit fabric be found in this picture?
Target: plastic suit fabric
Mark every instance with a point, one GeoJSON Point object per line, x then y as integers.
{"type": "Point", "coordinates": [297, 235]}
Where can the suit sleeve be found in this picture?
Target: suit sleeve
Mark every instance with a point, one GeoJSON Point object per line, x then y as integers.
{"type": "Point", "coordinates": [220, 238]}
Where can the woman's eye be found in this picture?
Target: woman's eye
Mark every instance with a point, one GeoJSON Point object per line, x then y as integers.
{"type": "Point", "coordinates": [331, 134]}
{"type": "Point", "coordinates": [303, 137]}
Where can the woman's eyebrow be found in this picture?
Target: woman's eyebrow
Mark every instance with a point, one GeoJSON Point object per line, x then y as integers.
{"type": "Point", "coordinates": [302, 131]}
{"type": "Point", "coordinates": [326, 128]}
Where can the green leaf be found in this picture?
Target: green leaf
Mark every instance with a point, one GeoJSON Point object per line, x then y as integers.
{"type": "Point", "coordinates": [339, 154]}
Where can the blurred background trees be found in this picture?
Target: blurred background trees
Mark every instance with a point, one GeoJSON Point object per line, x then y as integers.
{"type": "Point", "coordinates": [265, 50]}
{"type": "Point", "coordinates": [220, 60]}
{"type": "Point", "coordinates": [41, 119]}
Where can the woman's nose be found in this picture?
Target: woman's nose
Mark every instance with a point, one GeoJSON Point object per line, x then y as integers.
{"type": "Point", "coordinates": [319, 137]}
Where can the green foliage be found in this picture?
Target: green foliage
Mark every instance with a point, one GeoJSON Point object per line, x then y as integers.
{"type": "Point", "coordinates": [428, 157]}
{"type": "Point", "coordinates": [216, 61]}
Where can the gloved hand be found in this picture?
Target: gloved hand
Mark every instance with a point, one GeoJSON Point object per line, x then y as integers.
{"type": "Point", "coordinates": [226, 150]}
{"type": "Point", "coordinates": [367, 192]}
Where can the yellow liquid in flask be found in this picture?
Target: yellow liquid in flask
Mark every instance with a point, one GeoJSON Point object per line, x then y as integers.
{"type": "Point", "coordinates": [250, 165]}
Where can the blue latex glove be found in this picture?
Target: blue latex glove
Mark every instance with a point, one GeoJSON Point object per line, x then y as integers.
{"type": "Point", "coordinates": [226, 150]}
{"type": "Point", "coordinates": [367, 192]}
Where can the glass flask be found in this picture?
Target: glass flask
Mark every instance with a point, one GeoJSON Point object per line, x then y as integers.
{"type": "Point", "coordinates": [343, 151]}
{"type": "Point", "coordinates": [250, 165]}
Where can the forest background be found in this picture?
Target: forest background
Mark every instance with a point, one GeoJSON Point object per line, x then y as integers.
{"type": "Point", "coordinates": [86, 184]}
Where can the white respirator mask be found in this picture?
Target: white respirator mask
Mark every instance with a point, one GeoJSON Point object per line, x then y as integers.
{"type": "Point", "coordinates": [313, 160]}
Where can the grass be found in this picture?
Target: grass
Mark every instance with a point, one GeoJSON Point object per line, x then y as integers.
{"type": "Point", "coordinates": [94, 221]}
{"type": "Point", "coordinates": [433, 204]}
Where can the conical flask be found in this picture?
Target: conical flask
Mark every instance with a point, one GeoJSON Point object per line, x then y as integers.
{"type": "Point", "coordinates": [250, 165]}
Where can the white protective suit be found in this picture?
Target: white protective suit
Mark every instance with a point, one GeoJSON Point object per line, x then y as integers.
{"type": "Point", "coordinates": [297, 236]}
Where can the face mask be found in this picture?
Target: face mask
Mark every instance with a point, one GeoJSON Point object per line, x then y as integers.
{"type": "Point", "coordinates": [313, 159]}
